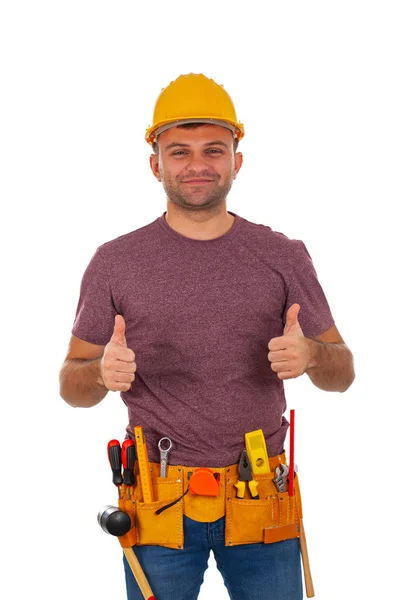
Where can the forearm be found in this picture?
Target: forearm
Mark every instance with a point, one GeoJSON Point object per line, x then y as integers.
{"type": "Point", "coordinates": [81, 384]}
{"type": "Point", "coordinates": [332, 367]}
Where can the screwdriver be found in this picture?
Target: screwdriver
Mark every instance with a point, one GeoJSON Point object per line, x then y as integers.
{"type": "Point", "coordinates": [114, 456]}
{"type": "Point", "coordinates": [128, 461]}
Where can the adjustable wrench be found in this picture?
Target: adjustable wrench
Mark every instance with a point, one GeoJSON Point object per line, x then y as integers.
{"type": "Point", "coordinates": [281, 475]}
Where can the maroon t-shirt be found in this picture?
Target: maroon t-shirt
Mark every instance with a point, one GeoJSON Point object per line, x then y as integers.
{"type": "Point", "coordinates": [199, 316]}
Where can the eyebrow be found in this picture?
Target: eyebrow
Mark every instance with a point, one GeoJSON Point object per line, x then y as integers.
{"type": "Point", "coordinates": [215, 143]}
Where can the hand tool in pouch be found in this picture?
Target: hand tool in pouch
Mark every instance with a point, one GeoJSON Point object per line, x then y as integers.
{"type": "Point", "coordinates": [117, 522]}
{"type": "Point", "coordinates": [128, 462]}
{"type": "Point", "coordinates": [303, 543]}
{"type": "Point", "coordinates": [114, 456]}
{"type": "Point", "coordinates": [257, 451]}
{"type": "Point", "coordinates": [204, 482]}
{"type": "Point", "coordinates": [164, 455]}
{"type": "Point", "coordinates": [144, 468]}
{"type": "Point", "coordinates": [245, 474]}
{"type": "Point", "coordinates": [291, 457]}
{"type": "Point", "coordinates": [281, 476]}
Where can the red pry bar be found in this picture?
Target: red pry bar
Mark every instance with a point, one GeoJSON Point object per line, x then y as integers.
{"type": "Point", "coordinates": [291, 459]}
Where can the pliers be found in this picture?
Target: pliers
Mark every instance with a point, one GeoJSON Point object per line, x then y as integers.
{"type": "Point", "coordinates": [245, 474]}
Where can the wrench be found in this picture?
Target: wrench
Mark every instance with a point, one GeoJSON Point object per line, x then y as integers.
{"type": "Point", "coordinates": [164, 455]}
{"type": "Point", "coordinates": [281, 475]}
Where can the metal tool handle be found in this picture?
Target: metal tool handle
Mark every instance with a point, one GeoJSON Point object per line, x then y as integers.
{"type": "Point", "coordinates": [164, 456]}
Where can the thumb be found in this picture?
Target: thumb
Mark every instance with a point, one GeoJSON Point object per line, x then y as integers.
{"type": "Point", "coordinates": [118, 336]}
{"type": "Point", "coordinates": [292, 326]}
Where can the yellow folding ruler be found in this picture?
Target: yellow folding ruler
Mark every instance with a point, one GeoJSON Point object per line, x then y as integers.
{"type": "Point", "coordinates": [143, 459]}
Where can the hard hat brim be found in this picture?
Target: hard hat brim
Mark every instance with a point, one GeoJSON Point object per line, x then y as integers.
{"type": "Point", "coordinates": [152, 133]}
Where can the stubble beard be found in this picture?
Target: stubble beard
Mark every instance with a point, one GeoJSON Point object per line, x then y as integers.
{"type": "Point", "coordinates": [190, 200]}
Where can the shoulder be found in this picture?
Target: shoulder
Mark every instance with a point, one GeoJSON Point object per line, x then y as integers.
{"type": "Point", "coordinates": [123, 244]}
{"type": "Point", "coordinates": [275, 243]}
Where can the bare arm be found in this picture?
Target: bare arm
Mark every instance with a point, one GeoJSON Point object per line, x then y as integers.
{"type": "Point", "coordinates": [89, 371]}
{"type": "Point", "coordinates": [332, 366]}
{"type": "Point", "coordinates": [81, 383]}
{"type": "Point", "coordinates": [325, 358]}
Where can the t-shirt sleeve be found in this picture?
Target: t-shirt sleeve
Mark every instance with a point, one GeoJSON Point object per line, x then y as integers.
{"type": "Point", "coordinates": [303, 288]}
{"type": "Point", "coordinates": [95, 314]}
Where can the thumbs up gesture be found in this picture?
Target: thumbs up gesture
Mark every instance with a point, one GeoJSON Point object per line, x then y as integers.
{"type": "Point", "coordinates": [290, 354]}
{"type": "Point", "coordinates": [118, 365]}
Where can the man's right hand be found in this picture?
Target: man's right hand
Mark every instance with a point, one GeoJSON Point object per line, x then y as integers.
{"type": "Point", "coordinates": [117, 366]}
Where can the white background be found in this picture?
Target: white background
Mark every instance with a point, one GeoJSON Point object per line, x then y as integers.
{"type": "Point", "coordinates": [316, 85]}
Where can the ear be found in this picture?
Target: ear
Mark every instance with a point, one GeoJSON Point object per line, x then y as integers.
{"type": "Point", "coordinates": [154, 165]}
{"type": "Point", "coordinates": [238, 162]}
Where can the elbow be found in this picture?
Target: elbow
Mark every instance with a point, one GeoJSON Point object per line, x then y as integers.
{"type": "Point", "coordinates": [67, 399]}
{"type": "Point", "coordinates": [349, 383]}
{"type": "Point", "coordinates": [64, 392]}
{"type": "Point", "coordinates": [351, 372]}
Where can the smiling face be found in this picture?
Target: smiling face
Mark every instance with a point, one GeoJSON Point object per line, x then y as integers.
{"type": "Point", "coordinates": [196, 165]}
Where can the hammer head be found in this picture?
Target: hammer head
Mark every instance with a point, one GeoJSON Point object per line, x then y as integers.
{"type": "Point", "coordinates": [114, 521]}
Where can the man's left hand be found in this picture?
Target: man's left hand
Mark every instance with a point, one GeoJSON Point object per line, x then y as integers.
{"type": "Point", "coordinates": [290, 354]}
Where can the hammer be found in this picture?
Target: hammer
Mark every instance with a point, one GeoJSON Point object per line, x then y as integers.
{"type": "Point", "coordinates": [117, 522]}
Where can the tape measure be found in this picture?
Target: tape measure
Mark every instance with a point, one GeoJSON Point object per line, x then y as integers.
{"type": "Point", "coordinates": [257, 452]}
{"type": "Point", "coordinates": [143, 459]}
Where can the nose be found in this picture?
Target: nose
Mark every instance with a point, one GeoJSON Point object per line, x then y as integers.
{"type": "Point", "coordinates": [196, 164]}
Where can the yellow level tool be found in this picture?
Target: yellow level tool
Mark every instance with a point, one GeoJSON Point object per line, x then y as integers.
{"type": "Point", "coordinates": [257, 451]}
{"type": "Point", "coordinates": [143, 459]}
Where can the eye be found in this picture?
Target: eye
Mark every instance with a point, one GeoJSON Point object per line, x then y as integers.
{"type": "Point", "coordinates": [214, 150]}
{"type": "Point", "coordinates": [178, 152]}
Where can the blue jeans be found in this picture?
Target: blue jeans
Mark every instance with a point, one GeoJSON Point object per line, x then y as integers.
{"type": "Point", "coordinates": [250, 571]}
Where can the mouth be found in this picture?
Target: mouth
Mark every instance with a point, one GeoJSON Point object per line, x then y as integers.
{"type": "Point", "coordinates": [198, 181]}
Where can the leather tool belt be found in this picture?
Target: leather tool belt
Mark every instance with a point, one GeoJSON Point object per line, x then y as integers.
{"type": "Point", "coordinates": [273, 517]}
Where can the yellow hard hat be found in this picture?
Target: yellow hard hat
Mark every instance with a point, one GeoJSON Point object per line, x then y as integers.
{"type": "Point", "coordinates": [193, 99]}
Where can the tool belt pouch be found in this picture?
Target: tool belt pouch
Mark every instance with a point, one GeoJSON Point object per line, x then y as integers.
{"type": "Point", "coordinates": [128, 505]}
{"type": "Point", "coordinates": [166, 527]}
{"type": "Point", "coordinates": [274, 517]}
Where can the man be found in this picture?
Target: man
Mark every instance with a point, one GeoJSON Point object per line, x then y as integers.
{"type": "Point", "coordinates": [197, 319]}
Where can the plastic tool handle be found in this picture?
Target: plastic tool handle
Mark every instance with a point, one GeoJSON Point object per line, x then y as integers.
{"type": "Point", "coordinates": [114, 456]}
{"type": "Point", "coordinates": [128, 461]}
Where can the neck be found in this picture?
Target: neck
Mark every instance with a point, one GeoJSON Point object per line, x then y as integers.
{"type": "Point", "coordinates": [199, 225]}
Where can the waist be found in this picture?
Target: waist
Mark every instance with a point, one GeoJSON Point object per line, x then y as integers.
{"type": "Point", "coordinates": [199, 507]}
{"type": "Point", "coordinates": [179, 471]}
